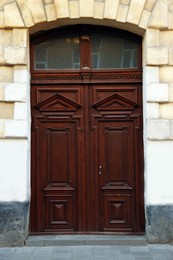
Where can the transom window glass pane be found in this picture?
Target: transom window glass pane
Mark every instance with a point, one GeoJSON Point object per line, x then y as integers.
{"type": "Point", "coordinates": [59, 53]}
{"type": "Point", "coordinates": [113, 52]}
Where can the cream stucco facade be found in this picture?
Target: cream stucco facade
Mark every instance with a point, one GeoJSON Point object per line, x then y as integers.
{"type": "Point", "coordinates": [153, 20]}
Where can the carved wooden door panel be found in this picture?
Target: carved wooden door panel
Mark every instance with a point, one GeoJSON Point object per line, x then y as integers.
{"type": "Point", "coordinates": [57, 143]}
{"type": "Point", "coordinates": [116, 143]}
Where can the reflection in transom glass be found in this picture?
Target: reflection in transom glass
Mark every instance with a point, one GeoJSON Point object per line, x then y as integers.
{"type": "Point", "coordinates": [113, 52]}
{"type": "Point", "coordinates": [59, 53]}
{"type": "Point", "coordinates": [108, 51]}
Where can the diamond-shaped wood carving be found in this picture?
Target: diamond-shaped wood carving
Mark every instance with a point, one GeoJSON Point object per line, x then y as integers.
{"type": "Point", "coordinates": [57, 103]}
{"type": "Point", "coordinates": [115, 102]}
{"type": "Point", "coordinates": [58, 212]}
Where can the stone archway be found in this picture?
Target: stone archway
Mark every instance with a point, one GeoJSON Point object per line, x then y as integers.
{"type": "Point", "coordinates": [18, 18]}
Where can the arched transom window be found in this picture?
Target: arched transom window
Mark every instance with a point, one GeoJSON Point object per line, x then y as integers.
{"type": "Point", "coordinates": [86, 48]}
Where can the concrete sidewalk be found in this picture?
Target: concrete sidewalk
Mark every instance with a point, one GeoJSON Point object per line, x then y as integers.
{"type": "Point", "coordinates": [88, 252]}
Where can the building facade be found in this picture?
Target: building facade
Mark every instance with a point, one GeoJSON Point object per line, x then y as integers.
{"type": "Point", "coordinates": [22, 24]}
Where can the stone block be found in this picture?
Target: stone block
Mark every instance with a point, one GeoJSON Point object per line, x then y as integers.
{"type": "Point", "coordinates": [62, 8]}
{"type": "Point", "coordinates": [14, 223]}
{"type": "Point", "coordinates": [166, 74]}
{"type": "Point", "coordinates": [158, 92]}
{"type": "Point", "coordinates": [19, 37]}
{"type": "Point", "coordinates": [48, 1]}
{"type": "Point", "coordinates": [2, 25]}
{"type": "Point", "coordinates": [6, 74]}
{"type": "Point", "coordinates": [6, 110]}
{"type": "Point", "coordinates": [149, 4]}
{"type": "Point", "coordinates": [74, 9]}
{"type": "Point", "coordinates": [152, 37]}
{"type": "Point", "coordinates": [144, 19]}
{"type": "Point", "coordinates": [2, 91]}
{"type": "Point", "coordinates": [151, 74]}
{"type": "Point", "coordinates": [135, 11]}
{"type": "Point", "coordinates": [166, 111]}
{"type": "Point", "coordinates": [122, 13]}
{"type": "Point", "coordinates": [14, 128]}
{"type": "Point", "coordinates": [15, 92]}
{"type": "Point", "coordinates": [5, 37]}
{"type": "Point", "coordinates": [21, 74]}
{"type": "Point", "coordinates": [171, 92]}
{"type": "Point", "coordinates": [170, 56]}
{"type": "Point", "coordinates": [98, 10]}
{"type": "Point", "coordinates": [125, 2]}
{"type": "Point", "coordinates": [159, 223]}
{"type": "Point", "coordinates": [166, 38]}
{"type": "Point", "coordinates": [111, 8]}
{"type": "Point", "coordinates": [157, 56]}
{"type": "Point", "coordinates": [86, 8]}
{"type": "Point", "coordinates": [158, 129]}
{"type": "Point", "coordinates": [2, 128]}
{"type": "Point", "coordinates": [12, 16]}
{"type": "Point", "coordinates": [20, 111]}
{"type": "Point", "coordinates": [37, 10]}
{"type": "Point", "coordinates": [26, 13]}
{"type": "Point", "coordinates": [2, 3]}
{"type": "Point", "coordinates": [171, 125]}
{"type": "Point", "coordinates": [170, 21]}
{"type": "Point", "coordinates": [15, 55]}
{"type": "Point", "coordinates": [50, 12]}
{"type": "Point", "coordinates": [159, 17]}
{"type": "Point", "coordinates": [170, 5]}
{"type": "Point", "coordinates": [2, 58]}
{"type": "Point", "coordinates": [152, 110]}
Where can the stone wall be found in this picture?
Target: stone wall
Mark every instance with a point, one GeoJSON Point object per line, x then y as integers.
{"type": "Point", "coordinates": [153, 19]}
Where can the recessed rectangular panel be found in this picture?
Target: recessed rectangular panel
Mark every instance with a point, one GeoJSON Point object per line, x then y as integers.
{"type": "Point", "coordinates": [116, 147]}
{"type": "Point", "coordinates": [60, 212]}
{"type": "Point", "coordinates": [58, 156]}
{"type": "Point", "coordinates": [115, 154]}
{"type": "Point", "coordinates": [117, 211]}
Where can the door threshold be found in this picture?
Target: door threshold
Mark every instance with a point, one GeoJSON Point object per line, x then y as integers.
{"type": "Point", "coordinates": [86, 240]}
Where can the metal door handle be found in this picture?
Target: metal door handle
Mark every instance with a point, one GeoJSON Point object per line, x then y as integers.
{"type": "Point", "coordinates": [100, 170]}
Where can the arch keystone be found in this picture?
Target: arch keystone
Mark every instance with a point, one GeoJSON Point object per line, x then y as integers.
{"type": "Point", "coordinates": [98, 9]}
{"type": "Point", "coordinates": [86, 8]}
{"type": "Point", "coordinates": [74, 9]}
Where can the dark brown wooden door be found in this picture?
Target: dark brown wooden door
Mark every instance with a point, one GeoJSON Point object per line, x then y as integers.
{"type": "Point", "coordinates": [87, 152]}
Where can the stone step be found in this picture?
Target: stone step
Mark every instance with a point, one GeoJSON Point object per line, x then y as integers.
{"type": "Point", "coordinates": [80, 240]}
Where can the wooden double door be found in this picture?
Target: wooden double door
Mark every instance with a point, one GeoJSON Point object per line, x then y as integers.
{"type": "Point", "coordinates": [87, 151]}
{"type": "Point", "coordinates": [87, 158]}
